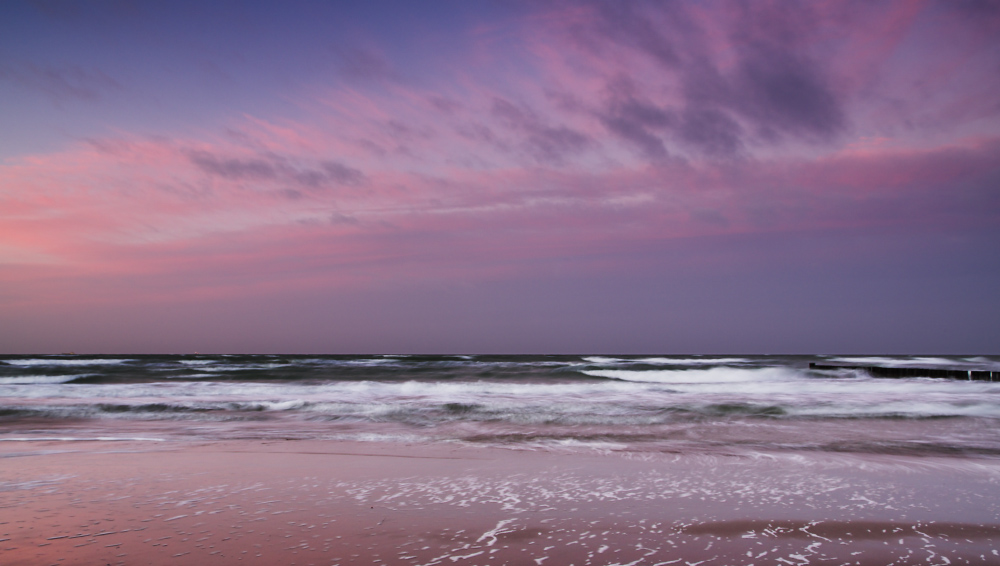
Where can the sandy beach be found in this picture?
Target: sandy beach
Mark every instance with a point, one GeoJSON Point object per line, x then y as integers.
{"type": "Point", "coordinates": [315, 502]}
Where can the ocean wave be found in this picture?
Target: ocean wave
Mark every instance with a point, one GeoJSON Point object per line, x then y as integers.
{"type": "Point", "coordinates": [665, 361]}
{"type": "Point", "coordinates": [540, 412]}
{"type": "Point", "coordinates": [979, 362]}
{"type": "Point", "coordinates": [600, 360]}
{"type": "Point", "coordinates": [151, 411]}
{"type": "Point", "coordinates": [692, 361]}
{"type": "Point", "coordinates": [385, 366]}
{"type": "Point", "coordinates": [241, 367]}
{"type": "Point", "coordinates": [711, 375]}
{"type": "Point", "coordinates": [64, 362]}
{"type": "Point", "coordinates": [664, 402]}
{"type": "Point", "coordinates": [39, 379]}
{"type": "Point", "coordinates": [908, 409]}
{"type": "Point", "coordinates": [605, 386]}
{"type": "Point", "coordinates": [199, 406]}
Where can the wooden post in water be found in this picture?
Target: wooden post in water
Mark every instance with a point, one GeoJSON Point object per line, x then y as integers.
{"type": "Point", "coordinates": [879, 371]}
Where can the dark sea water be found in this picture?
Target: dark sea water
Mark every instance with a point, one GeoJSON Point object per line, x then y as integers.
{"type": "Point", "coordinates": [639, 404]}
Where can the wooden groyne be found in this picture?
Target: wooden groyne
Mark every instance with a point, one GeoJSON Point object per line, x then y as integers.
{"type": "Point", "coordinates": [879, 371]}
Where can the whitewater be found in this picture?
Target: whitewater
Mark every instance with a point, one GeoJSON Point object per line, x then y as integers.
{"type": "Point", "coordinates": [632, 404]}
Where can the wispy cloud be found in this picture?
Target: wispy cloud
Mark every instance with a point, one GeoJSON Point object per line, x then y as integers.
{"type": "Point", "coordinates": [263, 168]}
{"type": "Point", "coordinates": [60, 83]}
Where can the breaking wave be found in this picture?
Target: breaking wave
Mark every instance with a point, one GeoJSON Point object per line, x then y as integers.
{"type": "Point", "coordinates": [65, 362]}
{"type": "Point", "coordinates": [614, 402]}
{"type": "Point", "coordinates": [712, 375]}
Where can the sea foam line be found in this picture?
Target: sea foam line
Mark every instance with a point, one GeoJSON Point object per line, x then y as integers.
{"type": "Point", "coordinates": [82, 439]}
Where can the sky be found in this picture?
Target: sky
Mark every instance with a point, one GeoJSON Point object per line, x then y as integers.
{"type": "Point", "coordinates": [500, 177]}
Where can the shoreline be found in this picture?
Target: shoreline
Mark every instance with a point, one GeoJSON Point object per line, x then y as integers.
{"type": "Point", "coordinates": [325, 502]}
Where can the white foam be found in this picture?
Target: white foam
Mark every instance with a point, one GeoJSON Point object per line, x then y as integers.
{"type": "Point", "coordinates": [664, 361]}
{"type": "Point", "coordinates": [602, 360]}
{"type": "Point", "coordinates": [285, 405]}
{"type": "Point", "coordinates": [368, 363]}
{"type": "Point", "coordinates": [39, 379]}
{"type": "Point", "coordinates": [491, 535]}
{"type": "Point", "coordinates": [378, 437]}
{"type": "Point", "coordinates": [81, 439]}
{"type": "Point", "coordinates": [692, 361]}
{"type": "Point", "coordinates": [242, 367]}
{"type": "Point", "coordinates": [622, 386]}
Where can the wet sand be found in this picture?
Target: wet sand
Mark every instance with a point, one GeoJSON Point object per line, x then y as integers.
{"type": "Point", "coordinates": [314, 502]}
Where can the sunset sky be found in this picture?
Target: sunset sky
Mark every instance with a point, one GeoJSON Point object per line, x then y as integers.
{"type": "Point", "coordinates": [475, 176]}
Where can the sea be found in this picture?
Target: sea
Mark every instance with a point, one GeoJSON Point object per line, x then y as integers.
{"type": "Point", "coordinates": [635, 405]}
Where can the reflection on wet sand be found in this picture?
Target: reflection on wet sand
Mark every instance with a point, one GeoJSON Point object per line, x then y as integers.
{"type": "Point", "coordinates": [342, 503]}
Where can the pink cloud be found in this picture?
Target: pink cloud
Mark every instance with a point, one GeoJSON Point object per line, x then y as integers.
{"type": "Point", "coordinates": [148, 210]}
{"type": "Point", "coordinates": [545, 154]}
